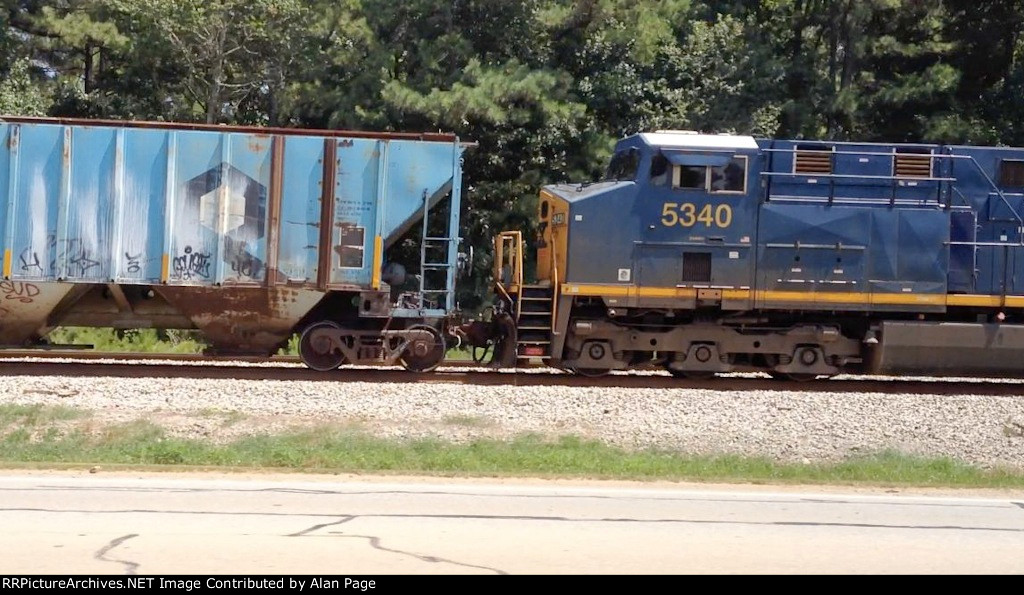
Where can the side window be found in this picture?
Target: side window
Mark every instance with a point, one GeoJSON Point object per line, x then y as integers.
{"type": "Point", "coordinates": [1011, 173]}
{"type": "Point", "coordinates": [732, 177]}
{"type": "Point", "coordinates": [659, 171]}
{"type": "Point", "coordinates": [693, 177]}
{"type": "Point", "coordinates": [623, 166]}
{"type": "Point", "coordinates": [350, 251]}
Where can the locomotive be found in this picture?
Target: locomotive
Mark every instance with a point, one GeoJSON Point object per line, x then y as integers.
{"type": "Point", "coordinates": [708, 253]}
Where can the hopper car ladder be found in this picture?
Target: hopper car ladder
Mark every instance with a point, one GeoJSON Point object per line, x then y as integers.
{"type": "Point", "coordinates": [429, 290]}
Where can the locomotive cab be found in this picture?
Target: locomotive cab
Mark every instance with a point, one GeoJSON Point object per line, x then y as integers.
{"type": "Point", "coordinates": [670, 226]}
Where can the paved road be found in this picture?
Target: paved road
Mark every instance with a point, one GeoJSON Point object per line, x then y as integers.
{"type": "Point", "coordinates": [161, 524]}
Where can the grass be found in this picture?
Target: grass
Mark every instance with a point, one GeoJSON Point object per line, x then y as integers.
{"type": "Point", "coordinates": [128, 341]}
{"type": "Point", "coordinates": [27, 440]}
{"type": "Point", "coordinates": [165, 341]}
{"type": "Point", "coordinates": [467, 421]}
{"type": "Point", "coordinates": [31, 416]}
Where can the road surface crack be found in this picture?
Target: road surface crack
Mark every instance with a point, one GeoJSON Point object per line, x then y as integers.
{"type": "Point", "coordinates": [375, 543]}
{"type": "Point", "coordinates": [129, 566]}
{"type": "Point", "coordinates": [320, 526]}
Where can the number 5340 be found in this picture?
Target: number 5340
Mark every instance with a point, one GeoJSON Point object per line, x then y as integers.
{"type": "Point", "coordinates": [688, 214]}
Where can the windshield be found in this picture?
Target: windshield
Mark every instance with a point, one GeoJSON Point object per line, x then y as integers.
{"type": "Point", "coordinates": [623, 166]}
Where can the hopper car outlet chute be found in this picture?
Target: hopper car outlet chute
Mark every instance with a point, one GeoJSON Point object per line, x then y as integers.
{"type": "Point", "coordinates": [246, 234]}
{"type": "Point", "coordinates": [705, 253]}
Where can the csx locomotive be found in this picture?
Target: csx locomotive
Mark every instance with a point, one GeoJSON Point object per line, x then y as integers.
{"type": "Point", "coordinates": [717, 253]}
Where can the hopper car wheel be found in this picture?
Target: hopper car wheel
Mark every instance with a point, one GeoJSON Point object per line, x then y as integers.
{"type": "Point", "coordinates": [422, 356]}
{"type": "Point", "coordinates": [316, 352]}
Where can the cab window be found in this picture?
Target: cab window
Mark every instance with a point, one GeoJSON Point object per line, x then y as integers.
{"type": "Point", "coordinates": [623, 166]}
{"type": "Point", "coordinates": [693, 177]}
{"type": "Point", "coordinates": [659, 171]}
{"type": "Point", "coordinates": [732, 177]}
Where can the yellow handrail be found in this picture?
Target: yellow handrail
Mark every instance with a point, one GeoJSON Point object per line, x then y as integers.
{"type": "Point", "coordinates": [512, 242]}
{"type": "Point", "coordinates": [554, 291]}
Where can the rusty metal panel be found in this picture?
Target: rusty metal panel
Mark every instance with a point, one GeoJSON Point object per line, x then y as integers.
{"type": "Point", "coordinates": [274, 211]}
{"type": "Point", "coordinates": [327, 202]}
{"type": "Point", "coordinates": [221, 128]}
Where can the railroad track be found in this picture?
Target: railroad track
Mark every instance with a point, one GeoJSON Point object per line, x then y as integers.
{"type": "Point", "coordinates": [31, 363]}
{"type": "Point", "coordinates": [184, 358]}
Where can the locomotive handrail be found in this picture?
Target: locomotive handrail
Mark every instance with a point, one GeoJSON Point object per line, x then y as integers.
{"type": "Point", "coordinates": [992, 183]}
{"type": "Point", "coordinates": [852, 176]}
{"type": "Point", "coordinates": [554, 287]}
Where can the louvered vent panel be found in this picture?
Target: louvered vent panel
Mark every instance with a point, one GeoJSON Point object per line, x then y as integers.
{"type": "Point", "coordinates": [913, 166]}
{"type": "Point", "coordinates": [813, 162]}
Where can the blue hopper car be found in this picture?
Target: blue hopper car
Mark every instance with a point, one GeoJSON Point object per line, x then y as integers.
{"type": "Point", "coordinates": [247, 234]}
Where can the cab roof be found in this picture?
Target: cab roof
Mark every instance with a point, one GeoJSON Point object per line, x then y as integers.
{"type": "Point", "coordinates": [684, 139]}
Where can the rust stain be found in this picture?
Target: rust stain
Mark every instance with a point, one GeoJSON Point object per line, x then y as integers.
{"type": "Point", "coordinates": [255, 145]}
{"type": "Point", "coordinates": [344, 134]}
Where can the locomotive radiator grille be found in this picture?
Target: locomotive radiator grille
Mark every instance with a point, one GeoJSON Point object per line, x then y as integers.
{"type": "Point", "coordinates": [696, 267]}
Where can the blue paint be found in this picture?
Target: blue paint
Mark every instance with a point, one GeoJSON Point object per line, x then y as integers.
{"type": "Point", "coordinates": [97, 204]}
{"type": "Point", "coordinates": [852, 218]}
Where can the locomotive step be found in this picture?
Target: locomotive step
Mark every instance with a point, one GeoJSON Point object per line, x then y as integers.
{"type": "Point", "coordinates": [533, 292]}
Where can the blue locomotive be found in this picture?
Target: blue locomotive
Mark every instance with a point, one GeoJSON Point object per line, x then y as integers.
{"type": "Point", "coordinates": [717, 253]}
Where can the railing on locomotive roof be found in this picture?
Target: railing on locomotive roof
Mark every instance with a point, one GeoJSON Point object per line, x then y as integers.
{"type": "Point", "coordinates": [832, 177]}
{"type": "Point", "coordinates": [993, 187]}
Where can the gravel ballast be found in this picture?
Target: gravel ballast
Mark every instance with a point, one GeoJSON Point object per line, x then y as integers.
{"type": "Point", "coordinates": [806, 426]}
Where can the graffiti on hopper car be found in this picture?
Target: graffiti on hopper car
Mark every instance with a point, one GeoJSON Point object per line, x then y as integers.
{"type": "Point", "coordinates": [72, 251]}
{"type": "Point", "coordinates": [134, 264]}
{"type": "Point", "coordinates": [192, 264]}
{"type": "Point", "coordinates": [19, 291]}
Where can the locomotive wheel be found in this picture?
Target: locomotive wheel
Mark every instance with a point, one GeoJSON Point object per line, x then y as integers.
{"type": "Point", "coordinates": [424, 356]}
{"type": "Point", "coordinates": [316, 351]}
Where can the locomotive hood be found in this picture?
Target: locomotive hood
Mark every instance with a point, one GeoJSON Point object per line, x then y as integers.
{"type": "Point", "coordinates": [578, 192]}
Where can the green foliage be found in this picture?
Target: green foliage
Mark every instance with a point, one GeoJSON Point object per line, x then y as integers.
{"type": "Point", "coordinates": [20, 95]}
{"type": "Point", "coordinates": [544, 86]}
{"type": "Point", "coordinates": [130, 340]}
